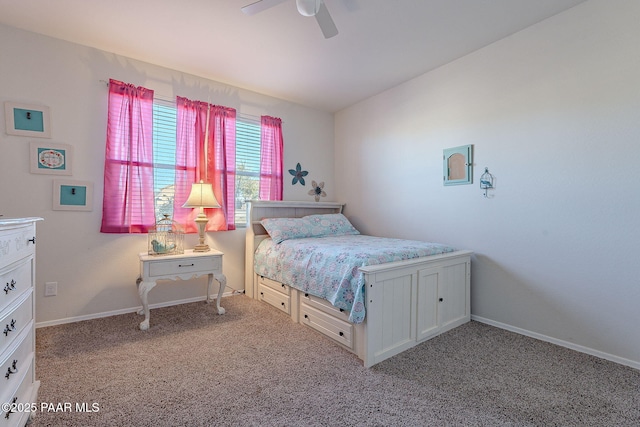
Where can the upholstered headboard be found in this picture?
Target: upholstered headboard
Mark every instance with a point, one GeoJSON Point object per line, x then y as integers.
{"type": "Point", "coordinates": [260, 209]}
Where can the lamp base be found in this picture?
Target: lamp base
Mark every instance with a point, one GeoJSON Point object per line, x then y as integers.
{"type": "Point", "coordinates": [202, 248]}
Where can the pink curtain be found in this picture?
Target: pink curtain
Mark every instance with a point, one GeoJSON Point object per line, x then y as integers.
{"type": "Point", "coordinates": [128, 200]}
{"type": "Point", "coordinates": [271, 158]}
{"type": "Point", "coordinates": [221, 166]}
{"type": "Point", "coordinates": [191, 123]}
{"type": "Point", "coordinates": [206, 153]}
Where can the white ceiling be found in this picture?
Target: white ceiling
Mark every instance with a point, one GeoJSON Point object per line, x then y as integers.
{"type": "Point", "coordinates": [280, 53]}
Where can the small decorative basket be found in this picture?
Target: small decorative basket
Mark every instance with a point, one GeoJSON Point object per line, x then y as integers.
{"type": "Point", "coordinates": [166, 238]}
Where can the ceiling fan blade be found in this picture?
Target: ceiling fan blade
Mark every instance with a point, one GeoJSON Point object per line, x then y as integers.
{"type": "Point", "coordinates": [260, 5]}
{"type": "Point", "coordinates": [326, 23]}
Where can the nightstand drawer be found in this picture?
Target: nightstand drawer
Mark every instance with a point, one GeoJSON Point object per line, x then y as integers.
{"type": "Point", "coordinates": [13, 321]}
{"type": "Point", "coordinates": [185, 265]}
{"type": "Point", "coordinates": [15, 282]}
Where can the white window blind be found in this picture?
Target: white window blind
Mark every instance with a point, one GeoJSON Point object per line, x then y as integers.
{"type": "Point", "coordinates": [164, 157]}
{"type": "Point", "coordinates": [247, 164]}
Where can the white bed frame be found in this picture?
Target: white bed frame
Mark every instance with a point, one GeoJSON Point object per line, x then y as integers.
{"type": "Point", "coordinates": [407, 302]}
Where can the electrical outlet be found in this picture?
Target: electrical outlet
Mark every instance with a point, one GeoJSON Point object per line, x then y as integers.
{"type": "Point", "coordinates": [50, 289]}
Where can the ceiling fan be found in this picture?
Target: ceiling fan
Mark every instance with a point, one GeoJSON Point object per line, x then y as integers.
{"type": "Point", "coordinates": [305, 8]}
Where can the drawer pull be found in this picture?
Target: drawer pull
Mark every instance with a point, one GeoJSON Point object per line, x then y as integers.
{"type": "Point", "coordinates": [306, 295]}
{"type": "Point", "coordinates": [441, 299]}
{"type": "Point", "coordinates": [342, 310]}
{"type": "Point", "coordinates": [32, 240]}
{"type": "Point", "coordinates": [341, 334]}
{"type": "Point", "coordinates": [282, 304]}
{"type": "Point", "coordinates": [306, 317]}
{"type": "Point", "coordinates": [9, 327]}
{"type": "Point", "coordinates": [12, 405]}
{"type": "Point", "coordinates": [185, 265]}
{"type": "Point", "coordinates": [12, 369]}
{"type": "Point", "coordinates": [10, 286]}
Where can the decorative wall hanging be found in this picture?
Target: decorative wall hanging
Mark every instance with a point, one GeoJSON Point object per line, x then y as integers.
{"type": "Point", "coordinates": [298, 175]}
{"type": "Point", "coordinates": [458, 165]}
{"type": "Point", "coordinates": [54, 159]}
{"type": "Point", "coordinates": [486, 181]}
{"type": "Point", "coordinates": [27, 120]}
{"type": "Point", "coordinates": [317, 191]}
{"type": "Point", "coordinates": [71, 195]}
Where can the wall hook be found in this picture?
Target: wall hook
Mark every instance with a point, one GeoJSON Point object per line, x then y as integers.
{"type": "Point", "coordinates": [486, 181]}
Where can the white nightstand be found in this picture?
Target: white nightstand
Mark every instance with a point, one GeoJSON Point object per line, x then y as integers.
{"type": "Point", "coordinates": [173, 267]}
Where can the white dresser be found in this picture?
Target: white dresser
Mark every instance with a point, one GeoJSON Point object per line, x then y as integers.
{"type": "Point", "coordinates": [19, 388]}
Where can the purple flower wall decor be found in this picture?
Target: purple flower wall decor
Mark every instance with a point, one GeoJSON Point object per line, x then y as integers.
{"type": "Point", "coordinates": [298, 175]}
{"type": "Point", "coordinates": [317, 190]}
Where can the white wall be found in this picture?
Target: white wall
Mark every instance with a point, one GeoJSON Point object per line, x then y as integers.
{"type": "Point", "coordinates": [554, 113]}
{"type": "Point", "coordinates": [96, 272]}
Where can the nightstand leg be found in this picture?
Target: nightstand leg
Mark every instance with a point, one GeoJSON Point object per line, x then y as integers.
{"type": "Point", "coordinates": [222, 280]}
{"type": "Point", "coordinates": [143, 291]}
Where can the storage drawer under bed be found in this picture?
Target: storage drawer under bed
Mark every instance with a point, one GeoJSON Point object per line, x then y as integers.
{"type": "Point", "coordinates": [327, 324]}
{"type": "Point", "coordinates": [277, 299]}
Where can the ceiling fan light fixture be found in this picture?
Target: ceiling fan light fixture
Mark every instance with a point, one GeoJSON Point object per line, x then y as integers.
{"type": "Point", "coordinates": [308, 7]}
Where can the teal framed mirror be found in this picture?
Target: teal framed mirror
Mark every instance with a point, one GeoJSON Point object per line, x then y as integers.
{"type": "Point", "coordinates": [458, 165]}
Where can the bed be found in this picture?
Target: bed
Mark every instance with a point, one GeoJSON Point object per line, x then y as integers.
{"type": "Point", "coordinates": [381, 303]}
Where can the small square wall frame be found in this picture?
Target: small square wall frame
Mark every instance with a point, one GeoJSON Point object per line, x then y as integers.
{"type": "Point", "coordinates": [71, 195]}
{"type": "Point", "coordinates": [27, 120]}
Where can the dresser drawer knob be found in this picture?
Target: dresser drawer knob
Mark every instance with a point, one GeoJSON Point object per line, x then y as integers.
{"type": "Point", "coordinates": [9, 327]}
{"type": "Point", "coordinates": [10, 286]}
{"type": "Point", "coordinates": [341, 334]}
{"type": "Point", "coordinates": [12, 405]}
{"type": "Point", "coordinates": [32, 240]}
{"type": "Point", "coordinates": [12, 369]}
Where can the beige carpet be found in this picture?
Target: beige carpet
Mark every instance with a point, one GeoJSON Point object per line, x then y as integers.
{"type": "Point", "coordinates": [254, 367]}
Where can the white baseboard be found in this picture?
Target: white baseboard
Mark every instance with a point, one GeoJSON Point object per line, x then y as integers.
{"type": "Point", "coordinates": [561, 343]}
{"type": "Point", "coordinates": [126, 310]}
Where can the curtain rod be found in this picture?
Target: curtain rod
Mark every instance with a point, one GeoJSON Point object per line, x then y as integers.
{"type": "Point", "coordinates": [173, 99]}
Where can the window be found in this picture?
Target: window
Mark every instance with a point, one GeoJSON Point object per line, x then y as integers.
{"type": "Point", "coordinates": [164, 156]}
{"type": "Point", "coordinates": [156, 148]}
{"type": "Point", "coordinates": [247, 165]}
{"type": "Point", "coordinates": [164, 143]}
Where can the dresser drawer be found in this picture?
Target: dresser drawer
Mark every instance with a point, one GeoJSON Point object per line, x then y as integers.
{"type": "Point", "coordinates": [325, 306]}
{"type": "Point", "coordinates": [17, 243]}
{"type": "Point", "coordinates": [14, 282]}
{"type": "Point", "coordinates": [185, 265]}
{"type": "Point", "coordinates": [274, 298]}
{"type": "Point", "coordinates": [15, 362]}
{"type": "Point", "coordinates": [21, 398]}
{"type": "Point", "coordinates": [336, 329]}
{"type": "Point", "coordinates": [17, 316]}
{"type": "Point", "coordinates": [276, 286]}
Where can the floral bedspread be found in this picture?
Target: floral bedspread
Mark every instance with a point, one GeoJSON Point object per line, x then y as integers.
{"type": "Point", "coordinates": [328, 267]}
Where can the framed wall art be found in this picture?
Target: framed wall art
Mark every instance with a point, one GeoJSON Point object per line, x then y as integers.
{"type": "Point", "coordinates": [70, 195]}
{"type": "Point", "coordinates": [27, 120]}
{"type": "Point", "coordinates": [458, 165]}
{"type": "Point", "coordinates": [53, 159]}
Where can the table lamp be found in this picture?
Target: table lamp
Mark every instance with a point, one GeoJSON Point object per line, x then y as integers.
{"type": "Point", "coordinates": [201, 196]}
